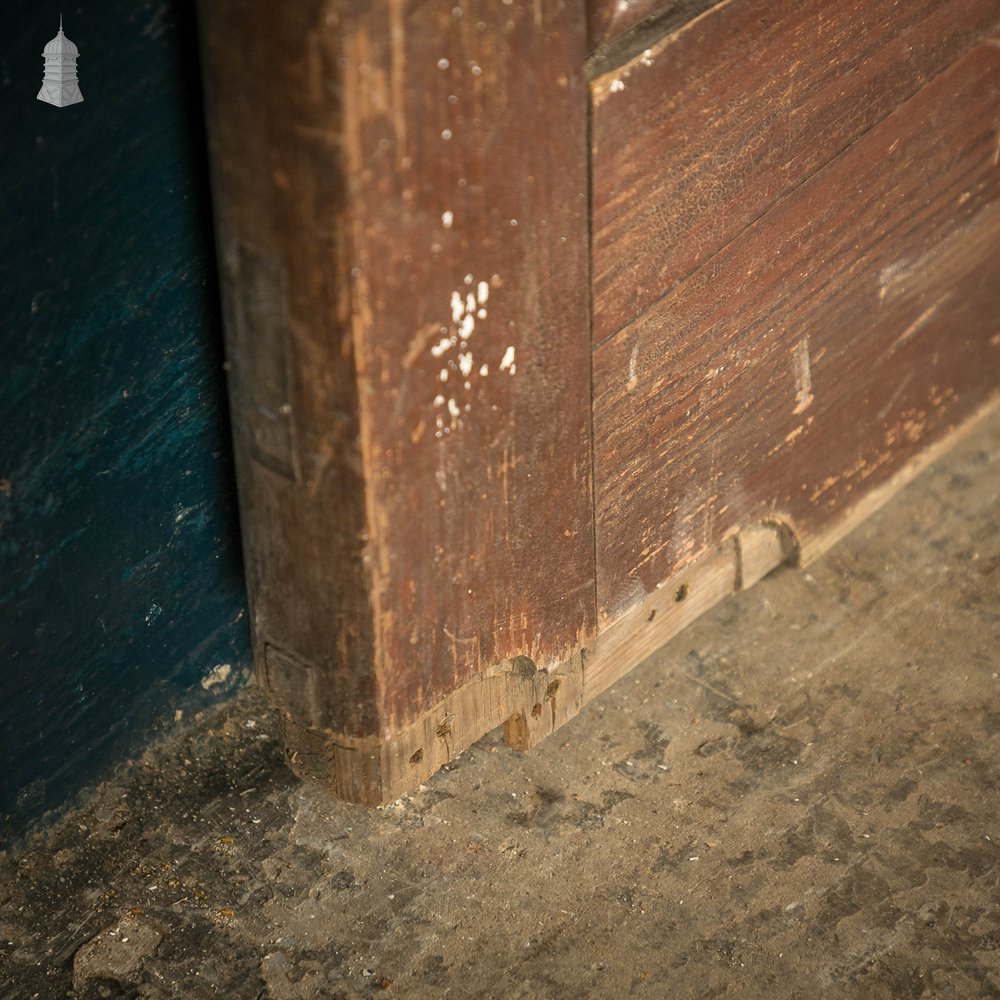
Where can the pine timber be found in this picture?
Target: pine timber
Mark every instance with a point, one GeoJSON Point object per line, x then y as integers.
{"type": "Point", "coordinates": [699, 134]}
{"type": "Point", "coordinates": [816, 353]}
{"type": "Point", "coordinates": [402, 217]}
{"type": "Point", "coordinates": [462, 505]}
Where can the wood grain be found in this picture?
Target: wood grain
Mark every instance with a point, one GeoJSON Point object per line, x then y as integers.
{"type": "Point", "coordinates": [466, 153]}
{"type": "Point", "coordinates": [700, 133]}
{"type": "Point", "coordinates": [402, 193]}
{"type": "Point", "coordinates": [275, 116]}
{"type": "Point", "coordinates": [849, 327]}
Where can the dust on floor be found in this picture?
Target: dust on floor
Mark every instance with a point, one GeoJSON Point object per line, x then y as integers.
{"type": "Point", "coordinates": [798, 797]}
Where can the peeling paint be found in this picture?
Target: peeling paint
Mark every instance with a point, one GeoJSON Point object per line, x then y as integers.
{"type": "Point", "coordinates": [803, 377]}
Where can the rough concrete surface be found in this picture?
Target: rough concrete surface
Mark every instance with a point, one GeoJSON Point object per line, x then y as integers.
{"type": "Point", "coordinates": [795, 798]}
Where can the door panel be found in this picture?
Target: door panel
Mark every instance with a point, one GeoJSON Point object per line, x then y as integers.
{"type": "Point", "coordinates": [806, 362]}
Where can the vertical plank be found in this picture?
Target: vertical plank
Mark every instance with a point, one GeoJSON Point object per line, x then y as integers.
{"type": "Point", "coordinates": [402, 194]}
{"type": "Point", "coordinates": [275, 127]}
{"type": "Point", "coordinates": [466, 150]}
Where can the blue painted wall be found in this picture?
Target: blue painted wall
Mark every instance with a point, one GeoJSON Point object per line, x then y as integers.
{"type": "Point", "coordinates": [120, 578]}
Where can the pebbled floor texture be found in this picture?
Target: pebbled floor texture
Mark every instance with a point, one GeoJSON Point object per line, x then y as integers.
{"type": "Point", "coordinates": [796, 798]}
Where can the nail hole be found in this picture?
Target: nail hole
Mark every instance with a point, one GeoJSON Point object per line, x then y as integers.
{"type": "Point", "coordinates": [537, 710]}
{"type": "Point", "coordinates": [417, 756]}
{"type": "Point", "coordinates": [652, 615]}
{"type": "Point", "coordinates": [550, 691]}
{"type": "Point", "coordinates": [682, 591]}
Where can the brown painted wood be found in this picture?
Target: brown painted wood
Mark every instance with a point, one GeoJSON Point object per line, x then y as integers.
{"type": "Point", "coordinates": [851, 326]}
{"type": "Point", "coordinates": [466, 157]}
{"type": "Point", "coordinates": [402, 192]}
{"type": "Point", "coordinates": [281, 205]}
{"type": "Point", "coordinates": [796, 307]}
{"type": "Point", "coordinates": [701, 132]}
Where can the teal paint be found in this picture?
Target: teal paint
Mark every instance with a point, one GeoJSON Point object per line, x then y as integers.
{"type": "Point", "coordinates": [120, 577]}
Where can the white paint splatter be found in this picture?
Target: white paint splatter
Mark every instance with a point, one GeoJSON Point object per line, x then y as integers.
{"type": "Point", "coordinates": [468, 325]}
{"type": "Point", "coordinates": [617, 86]}
{"type": "Point", "coordinates": [647, 58]}
{"type": "Point", "coordinates": [439, 348]}
{"type": "Point", "coordinates": [439, 400]}
{"type": "Point", "coordinates": [456, 307]}
{"type": "Point", "coordinates": [443, 63]}
{"type": "Point", "coordinates": [484, 370]}
{"type": "Point", "coordinates": [444, 375]}
{"type": "Point", "coordinates": [483, 292]}
{"type": "Point", "coordinates": [453, 408]}
{"type": "Point", "coordinates": [447, 218]}
{"type": "Point", "coordinates": [465, 364]}
{"type": "Point", "coordinates": [507, 362]}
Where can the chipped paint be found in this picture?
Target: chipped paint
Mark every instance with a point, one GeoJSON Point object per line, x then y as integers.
{"type": "Point", "coordinates": [217, 675]}
{"type": "Point", "coordinates": [920, 321]}
{"type": "Point", "coordinates": [803, 377]}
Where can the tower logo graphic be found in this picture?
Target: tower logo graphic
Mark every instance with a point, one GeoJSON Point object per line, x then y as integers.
{"type": "Point", "coordinates": [59, 85]}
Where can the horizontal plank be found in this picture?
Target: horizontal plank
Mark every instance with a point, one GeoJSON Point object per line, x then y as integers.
{"type": "Point", "coordinates": [699, 134]}
{"type": "Point", "coordinates": [848, 328]}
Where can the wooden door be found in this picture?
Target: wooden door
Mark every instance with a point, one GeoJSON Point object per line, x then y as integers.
{"type": "Point", "coordinates": [550, 324]}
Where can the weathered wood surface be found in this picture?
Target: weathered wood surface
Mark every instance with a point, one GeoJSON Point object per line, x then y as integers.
{"type": "Point", "coordinates": [402, 193]}
{"type": "Point", "coordinates": [403, 222]}
{"type": "Point", "coordinates": [275, 120]}
{"type": "Point", "coordinates": [700, 133]}
{"type": "Point", "coordinates": [466, 154]}
{"type": "Point", "coordinates": [848, 328]}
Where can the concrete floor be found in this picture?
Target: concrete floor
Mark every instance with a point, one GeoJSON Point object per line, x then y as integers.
{"type": "Point", "coordinates": [795, 798]}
